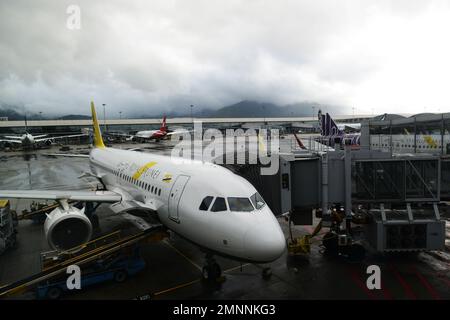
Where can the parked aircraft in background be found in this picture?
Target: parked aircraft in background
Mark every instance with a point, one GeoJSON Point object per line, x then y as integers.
{"type": "Point", "coordinates": [27, 140]}
{"type": "Point", "coordinates": [147, 135]}
{"type": "Point", "coordinates": [331, 134]}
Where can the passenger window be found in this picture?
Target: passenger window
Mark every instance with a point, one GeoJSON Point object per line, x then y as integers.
{"type": "Point", "coordinates": [159, 192]}
{"type": "Point", "coordinates": [219, 205]}
{"type": "Point", "coordinates": [204, 206]}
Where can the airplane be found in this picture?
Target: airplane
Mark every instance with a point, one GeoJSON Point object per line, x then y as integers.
{"type": "Point", "coordinates": [332, 135]}
{"type": "Point", "coordinates": [153, 134]}
{"type": "Point", "coordinates": [27, 140]}
{"type": "Point", "coordinates": [145, 135]}
{"type": "Point", "coordinates": [206, 204]}
{"type": "Point", "coordinates": [407, 143]}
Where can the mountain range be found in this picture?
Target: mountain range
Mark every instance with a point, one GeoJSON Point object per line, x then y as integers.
{"type": "Point", "coordinates": [242, 109]}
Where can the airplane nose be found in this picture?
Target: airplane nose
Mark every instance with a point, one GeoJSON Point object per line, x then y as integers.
{"type": "Point", "coordinates": [264, 243]}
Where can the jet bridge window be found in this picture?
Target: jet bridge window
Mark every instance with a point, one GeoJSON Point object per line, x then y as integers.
{"type": "Point", "coordinates": [219, 205]}
{"type": "Point", "coordinates": [240, 204]}
{"type": "Point", "coordinates": [204, 206]}
{"type": "Point", "coordinates": [257, 201]}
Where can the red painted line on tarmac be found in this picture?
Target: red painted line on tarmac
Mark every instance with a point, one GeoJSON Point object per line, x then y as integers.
{"type": "Point", "coordinates": [361, 284]}
{"type": "Point", "coordinates": [444, 279]}
{"type": "Point", "coordinates": [426, 284]}
{"type": "Point", "coordinates": [408, 291]}
{"type": "Point", "coordinates": [386, 293]}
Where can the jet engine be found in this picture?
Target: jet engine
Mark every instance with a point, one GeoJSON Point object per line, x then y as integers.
{"type": "Point", "coordinates": [67, 227]}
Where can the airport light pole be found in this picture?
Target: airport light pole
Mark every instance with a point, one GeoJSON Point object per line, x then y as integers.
{"type": "Point", "coordinates": [314, 111]}
{"type": "Point", "coordinates": [120, 115]}
{"type": "Point", "coordinates": [40, 115]}
{"type": "Point", "coordinates": [104, 117]}
{"type": "Point", "coordinates": [192, 118]}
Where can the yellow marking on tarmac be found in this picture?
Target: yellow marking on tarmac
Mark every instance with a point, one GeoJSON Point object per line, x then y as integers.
{"type": "Point", "coordinates": [177, 287]}
{"type": "Point", "coordinates": [143, 169]}
{"type": "Point", "coordinates": [238, 267]}
{"type": "Point", "coordinates": [194, 281]}
{"type": "Point", "coordinates": [181, 254]}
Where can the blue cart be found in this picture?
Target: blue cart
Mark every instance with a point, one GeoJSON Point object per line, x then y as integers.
{"type": "Point", "coordinates": [117, 269]}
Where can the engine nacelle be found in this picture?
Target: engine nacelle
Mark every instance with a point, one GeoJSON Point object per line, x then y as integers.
{"type": "Point", "coordinates": [66, 229]}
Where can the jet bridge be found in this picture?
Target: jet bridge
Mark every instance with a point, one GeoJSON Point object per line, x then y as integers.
{"type": "Point", "coordinates": [390, 202]}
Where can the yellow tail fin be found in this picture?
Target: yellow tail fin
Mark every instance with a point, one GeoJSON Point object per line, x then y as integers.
{"type": "Point", "coordinates": [98, 140]}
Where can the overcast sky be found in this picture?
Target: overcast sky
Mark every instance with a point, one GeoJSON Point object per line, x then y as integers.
{"type": "Point", "coordinates": [377, 56]}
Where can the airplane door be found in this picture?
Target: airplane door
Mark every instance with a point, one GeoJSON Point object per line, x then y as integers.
{"type": "Point", "coordinates": [175, 195]}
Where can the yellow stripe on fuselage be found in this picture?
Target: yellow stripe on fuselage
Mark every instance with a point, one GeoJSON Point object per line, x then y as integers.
{"type": "Point", "coordinates": [429, 140]}
{"type": "Point", "coordinates": [262, 147]}
{"type": "Point", "coordinates": [143, 169]}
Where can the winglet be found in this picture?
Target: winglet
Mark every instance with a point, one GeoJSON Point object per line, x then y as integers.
{"type": "Point", "coordinates": [98, 140]}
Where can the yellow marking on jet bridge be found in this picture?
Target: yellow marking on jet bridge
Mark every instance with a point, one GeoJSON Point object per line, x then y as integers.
{"type": "Point", "coordinates": [143, 169]}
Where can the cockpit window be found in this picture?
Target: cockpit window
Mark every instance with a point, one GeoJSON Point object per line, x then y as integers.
{"type": "Point", "coordinates": [206, 203]}
{"type": "Point", "coordinates": [219, 205]}
{"type": "Point", "coordinates": [257, 201]}
{"type": "Point", "coordinates": [240, 204]}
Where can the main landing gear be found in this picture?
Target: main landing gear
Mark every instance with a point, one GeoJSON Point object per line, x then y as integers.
{"type": "Point", "coordinates": [211, 271]}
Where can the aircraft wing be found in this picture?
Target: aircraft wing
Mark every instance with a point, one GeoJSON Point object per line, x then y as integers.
{"type": "Point", "coordinates": [69, 155]}
{"type": "Point", "coordinates": [118, 134]}
{"type": "Point", "coordinates": [12, 141]}
{"type": "Point", "coordinates": [76, 195]}
{"type": "Point", "coordinates": [40, 136]}
{"type": "Point", "coordinates": [61, 137]}
{"type": "Point", "coordinates": [182, 131]}
{"type": "Point", "coordinates": [12, 137]}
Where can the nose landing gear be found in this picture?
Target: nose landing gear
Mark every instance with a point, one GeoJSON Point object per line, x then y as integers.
{"type": "Point", "coordinates": [211, 272]}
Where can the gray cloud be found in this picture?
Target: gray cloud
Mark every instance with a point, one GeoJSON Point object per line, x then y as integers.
{"type": "Point", "coordinates": [159, 55]}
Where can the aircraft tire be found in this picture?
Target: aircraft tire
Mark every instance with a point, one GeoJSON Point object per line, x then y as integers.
{"type": "Point", "coordinates": [54, 293]}
{"type": "Point", "coordinates": [120, 276]}
{"type": "Point", "coordinates": [211, 272]}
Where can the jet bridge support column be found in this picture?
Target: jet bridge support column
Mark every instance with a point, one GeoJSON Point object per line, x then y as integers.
{"type": "Point", "coordinates": [348, 185]}
{"type": "Point", "coordinates": [326, 221]}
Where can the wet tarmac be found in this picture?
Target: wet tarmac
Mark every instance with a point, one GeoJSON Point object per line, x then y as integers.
{"type": "Point", "coordinates": [173, 266]}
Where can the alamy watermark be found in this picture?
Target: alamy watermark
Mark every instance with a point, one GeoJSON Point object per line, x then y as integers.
{"type": "Point", "coordinates": [73, 21]}
{"type": "Point", "coordinates": [374, 280]}
{"type": "Point", "coordinates": [74, 280]}
{"type": "Point", "coordinates": [251, 146]}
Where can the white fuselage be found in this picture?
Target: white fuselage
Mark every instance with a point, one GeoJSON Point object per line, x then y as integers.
{"type": "Point", "coordinates": [403, 143]}
{"type": "Point", "coordinates": [179, 189]}
{"type": "Point", "coordinates": [150, 134]}
{"type": "Point", "coordinates": [27, 139]}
